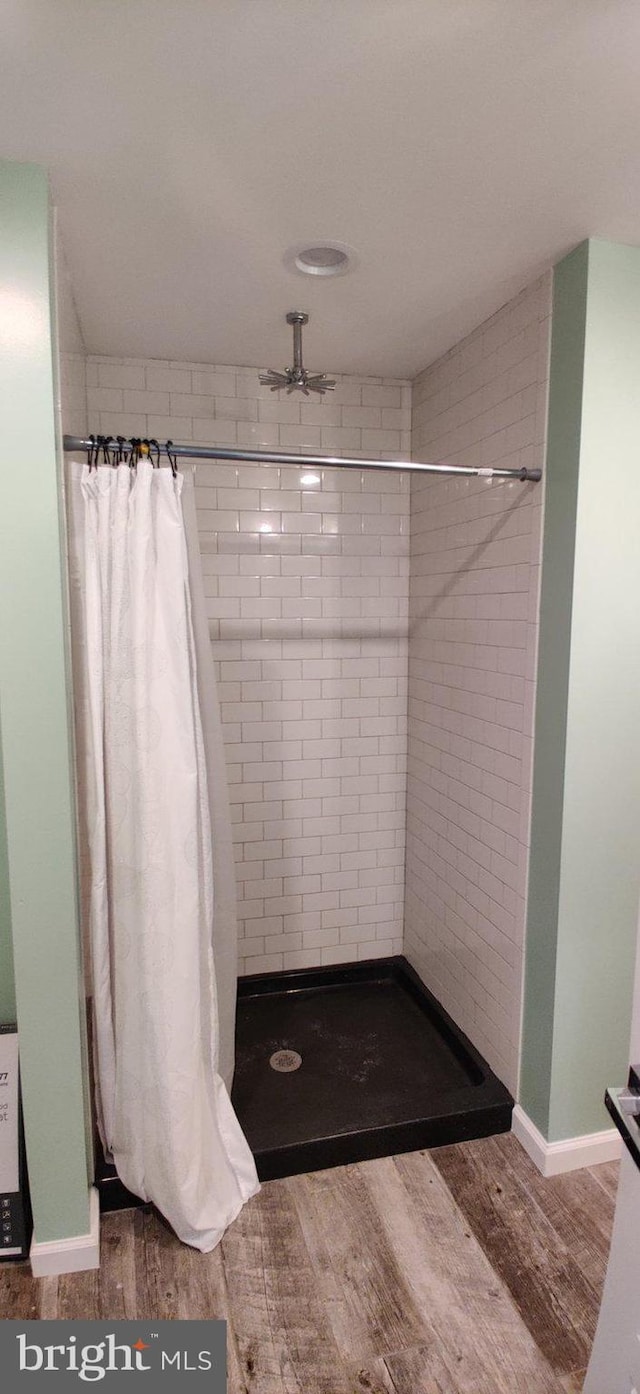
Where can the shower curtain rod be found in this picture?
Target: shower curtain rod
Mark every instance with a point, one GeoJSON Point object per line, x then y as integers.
{"type": "Point", "coordinates": [277, 457]}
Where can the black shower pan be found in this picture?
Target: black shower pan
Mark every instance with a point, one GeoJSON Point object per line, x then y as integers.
{"type": "Point", "coordinates": [383, 1069]}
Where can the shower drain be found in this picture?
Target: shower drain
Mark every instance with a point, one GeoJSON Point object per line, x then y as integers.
{"type": "Point", "coordinates": [285, 1061]}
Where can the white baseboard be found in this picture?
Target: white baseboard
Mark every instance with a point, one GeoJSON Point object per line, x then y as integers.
{"type": "Point", "coordinates": [71, 1255]}
{"type": "Point", "coordinates": [553, 1158]}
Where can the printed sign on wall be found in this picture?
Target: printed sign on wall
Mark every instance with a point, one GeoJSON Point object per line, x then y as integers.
{"type": "Point", "coordinates": [14, 1229]}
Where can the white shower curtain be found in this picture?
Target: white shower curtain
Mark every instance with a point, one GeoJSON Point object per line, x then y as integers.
{"type": "Point", "coordinates": [163, 1109]}
{"type": "Point", "coordinates": [225, 924]}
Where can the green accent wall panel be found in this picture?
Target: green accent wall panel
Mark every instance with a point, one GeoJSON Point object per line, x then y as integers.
{"type": "Point", "coordinates": [584, 880]}
{"type": "Point", "coordinates": [554, 646]}
{"type": "Point", "coordinates": [38, 856]}
{"type": "Point", "coordinates": [7, 983]}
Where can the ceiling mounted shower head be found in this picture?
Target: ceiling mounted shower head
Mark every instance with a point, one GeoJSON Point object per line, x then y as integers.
{"type": "Point", "coordinates": [297, 379]}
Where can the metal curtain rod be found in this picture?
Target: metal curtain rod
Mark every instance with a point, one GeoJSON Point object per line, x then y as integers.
{"type": "Point", "coordinates": [277, 457]}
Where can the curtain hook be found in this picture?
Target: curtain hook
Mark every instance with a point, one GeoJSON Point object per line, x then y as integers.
{"type": "Point", "coordinates": [134, 456]}
{"type": "Point", "coordinates": [90, 450]}
{"type": "Point", "coordinates": [119, 451]}
{"type": "Point", "coordinates": [106, 446]}
{"type": "Point", "coordinates": [153, 445]}
{"type": "Point", "coordinates": [173, 459]}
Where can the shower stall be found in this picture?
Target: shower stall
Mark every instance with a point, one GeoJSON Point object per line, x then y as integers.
{"type": "Point", "coordinates": [372, 623]}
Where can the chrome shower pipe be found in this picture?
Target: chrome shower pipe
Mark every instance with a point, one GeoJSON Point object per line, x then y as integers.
{"type": "Point", "coordinates": [82, 445]}
{"type": "Point", "coordinates": [297, 318]}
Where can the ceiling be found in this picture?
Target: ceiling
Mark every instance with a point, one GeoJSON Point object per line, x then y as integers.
{"type": "Point", "coordinates": [460, 146]}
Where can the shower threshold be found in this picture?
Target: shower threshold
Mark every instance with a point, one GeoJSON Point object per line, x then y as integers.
{"type": "Point", "coordinates": [367, 1064]}
{"type": "Point", "coordinates": [342, 1064]}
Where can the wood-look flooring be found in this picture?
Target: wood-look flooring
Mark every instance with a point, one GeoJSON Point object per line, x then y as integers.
{"type": "Point", "coordinates": [455, 1271]}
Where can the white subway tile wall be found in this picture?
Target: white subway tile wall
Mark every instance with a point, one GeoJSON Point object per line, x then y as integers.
{"type": "Point", "coordinates": [72, 393]}
{"type": "Point", "coordinates": [306, 577]}
{"type": "Point", "coordinates": [475, 552]}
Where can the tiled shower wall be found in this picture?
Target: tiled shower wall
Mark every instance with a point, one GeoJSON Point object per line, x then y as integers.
{"type": "Point", "coordinates": [307, 583]}
{"type": "Point", "coordinates": [306, 577]}
{"type": "Point", "coordinates": [475, 548]}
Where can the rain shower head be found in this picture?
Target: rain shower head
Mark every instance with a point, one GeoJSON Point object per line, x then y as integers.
{"type": "Point", "coordinates": [297, 379]}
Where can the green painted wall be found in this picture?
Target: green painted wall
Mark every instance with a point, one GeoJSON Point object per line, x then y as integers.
{"type": "Point", "coordinates": [561, 492]}
{"type": "Point", "coordinates": [7, 987]}
{"type": "Point", "coordinates": [584, 878]}
{"type": "Point", "coordinates": [38, 800]}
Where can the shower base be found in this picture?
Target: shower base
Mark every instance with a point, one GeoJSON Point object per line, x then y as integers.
{"type": "Point", "coordinates": [367, 1064]}
{"type": "Point", "coordinates": [382, 1069]}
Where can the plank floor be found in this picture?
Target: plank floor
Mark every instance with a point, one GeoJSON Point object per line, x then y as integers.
{"type": "Point", "coordinates": [455, 1271]}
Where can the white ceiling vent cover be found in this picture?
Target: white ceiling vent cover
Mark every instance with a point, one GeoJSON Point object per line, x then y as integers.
{"type": "Point", "coordinates": [321, 258]}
